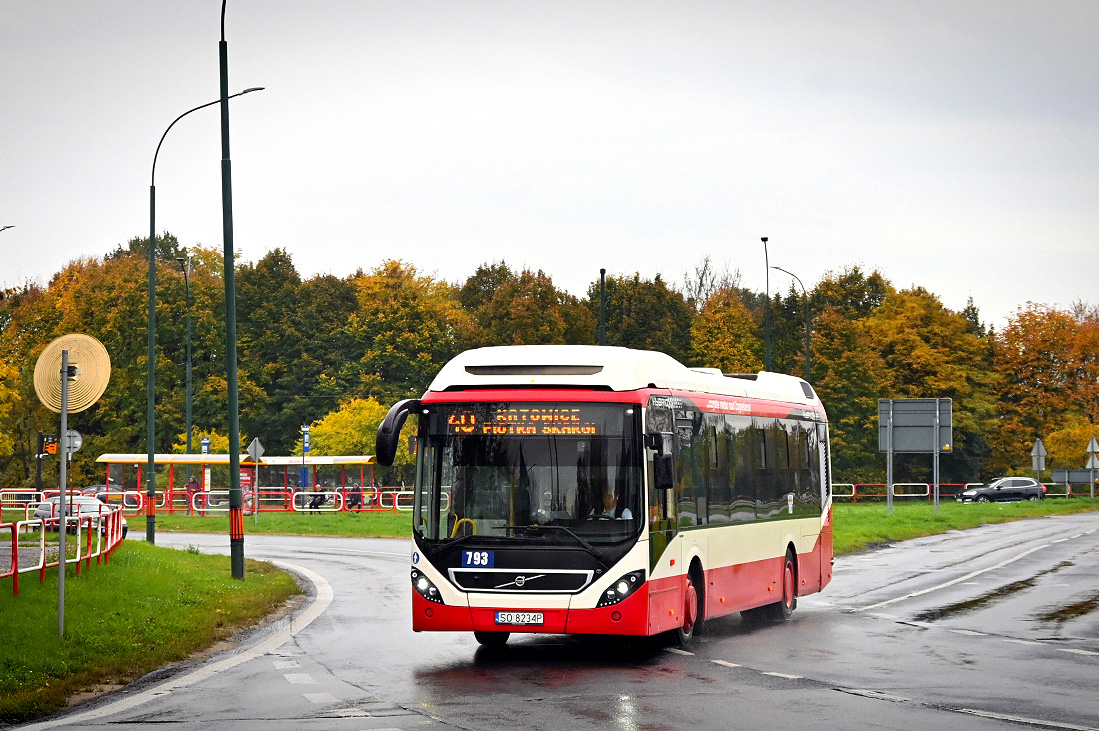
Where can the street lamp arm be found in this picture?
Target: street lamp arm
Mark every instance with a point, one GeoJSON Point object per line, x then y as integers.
{"type": "Point", "coordinates": [795, 277]}
{"type": "Point", "coordinates": [152, 179]}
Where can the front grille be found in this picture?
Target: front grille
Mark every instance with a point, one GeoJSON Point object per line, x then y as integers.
{"type": "Point", "coordinates": [548, 581]}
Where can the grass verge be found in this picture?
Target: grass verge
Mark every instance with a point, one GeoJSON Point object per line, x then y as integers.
{"type": "Point", "coordinates": [358, 525]}
{"type": "Point", "coordinates": [147, 608]}
{"type": "Point", "coordinates": [863, 525]}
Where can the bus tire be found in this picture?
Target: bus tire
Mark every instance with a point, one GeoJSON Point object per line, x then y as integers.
{"type": "Point", "coordinates": [782, 609]}
{"type": "Point", "coordinates": [693, 604]}
{"type": "Point", "coordinates": [491, 639]}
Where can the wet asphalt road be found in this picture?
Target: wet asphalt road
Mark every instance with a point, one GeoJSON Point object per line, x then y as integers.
{"type": "Point", "coordinates": [996, 627]}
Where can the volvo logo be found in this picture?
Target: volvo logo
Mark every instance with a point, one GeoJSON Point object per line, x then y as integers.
{"type": "Point", "coordinates": [519, 581]}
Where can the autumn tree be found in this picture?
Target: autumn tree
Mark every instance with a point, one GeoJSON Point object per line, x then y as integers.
{"type": "Point", "coordinates": [353, 429]}
{"type": "Point", "coordinates": [1048, 363]}
{"type": "Point", "coordinates": [930, 351]}
{"type": "Point", "coordinates": [522, 309]}
{"type": "Point", "coordinates": [723, 336]}
{"type": "Point", "coordinates": [406, 327]}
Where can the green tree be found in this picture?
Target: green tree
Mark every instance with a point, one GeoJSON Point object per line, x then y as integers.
{"type": "Point", "coordinates": [167, 248]}
{"type": "Point", "coordinates": [645, 314]}
{"type": "Point", "coordinates": [849, 377]}
{"type": "Point", "coordinates": [522, 309]}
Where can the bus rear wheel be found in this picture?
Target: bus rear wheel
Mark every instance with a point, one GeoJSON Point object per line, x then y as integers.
{"type": "Point", "coordinates": [491, 639]}
{"type": "Point", "coordinates": [781, 610]}
{"type": "Point", "coordinates": [692, 608]}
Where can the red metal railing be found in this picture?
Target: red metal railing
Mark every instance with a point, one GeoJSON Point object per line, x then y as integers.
{"type": "Point", "coordinates": [96, 536]}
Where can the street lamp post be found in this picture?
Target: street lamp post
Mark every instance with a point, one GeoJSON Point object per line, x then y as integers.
{"type": "Point", "coordinates": [767, 312]}
{"type": "Point", "coordinates": [150, 385]}
{"type": "Point", "coordinates": [236, 499]}
{"type": "Point", "coordinates": [808, 322]}
{"type": "Point", "coordinates": [185, 267]}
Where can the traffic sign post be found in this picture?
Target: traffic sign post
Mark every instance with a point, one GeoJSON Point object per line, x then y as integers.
{"type": "Point", "coordinates": [917, 425]}
{"type": "Point", "coordinates": [303, 480]}
{"type": "Point", "coordinates": [1093, 464]}
{"type": "Point", "coordinates": [255, 451]}
{"type": "Point", "coordinates": [1038, 458]}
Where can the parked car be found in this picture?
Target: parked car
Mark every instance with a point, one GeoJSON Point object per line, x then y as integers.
{"type": "Point", "coordinates": [1005, 488]}
{"type": "Point", "coordinates": [82, 505]}
{"type": "Point", "coordinates": [114, 494]}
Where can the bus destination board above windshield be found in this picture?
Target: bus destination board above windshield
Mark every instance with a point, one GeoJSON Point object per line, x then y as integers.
{"type": "Point", "coordinates": [531, 421]}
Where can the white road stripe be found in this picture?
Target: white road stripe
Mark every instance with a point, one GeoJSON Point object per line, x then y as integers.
{"type": "Point", "coordinates": [725, 663]}
{"type": "Point", "coordinates": [883, 615]}
{"type": "Point", "coordinates": [954, 581]}
{"type": "Point", "coordinates": [678, 651]}
{"type": "Point", "coordinates": [296, 625]}
{"type": "Point", "coordinates": [300, 679]}
{"type": "Point", "coordinates": [1077, 652]}
{"type": "Point", "coordinates": [968, 632]}
{"type": "Point", "coordinates": [1028, 721]}
{"type": "Point", "coordinates": [783, 675]}
{"type": "Point", "coordinates": [320, 697]}
{"type": "Point", "coordinates": [1020, 642]}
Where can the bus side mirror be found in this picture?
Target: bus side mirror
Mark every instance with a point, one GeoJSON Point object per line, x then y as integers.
{"type": "Point", "coordinates": [655, 442]}
{"type": "Point", "coordinates": [389, 431]}
{"type": "Point", "coordinates": [663, 472]}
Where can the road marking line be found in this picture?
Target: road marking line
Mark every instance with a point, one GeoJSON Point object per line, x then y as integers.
{"type": "Point", "coordinates": [300, 678]}
{"type": "Point", "coordinates": [285, 664]}
{"type": "Point", "coordinates": [725, 663]}
{"type": "Point", "coordinates": [954, 581]}
{"type": "Point", "coordinates": [320, 697]}
{"type": "Point", "coordinates": [1020, 642]}
{"type": "Point", "coordinates": [876, 694]}
{"type": "Point", "coordinates": [924, 625]}
{"type": "Point", "coordinates": [296, 625]}
{"type": "Point", "coordinates": [967, 632]}
{"type": "Point", "coordinates": [1028, 721]}
{"type": "Point", "coordinates": [883, 615]}
{"type": "Point", "coordinates": [1077, 652]}
{"type": "Point", "coordinates": [677, 651]}
{"type": "Point", "coordinates": [1060, 540]}
{"type": "Point", "coordinates": [783, 675]}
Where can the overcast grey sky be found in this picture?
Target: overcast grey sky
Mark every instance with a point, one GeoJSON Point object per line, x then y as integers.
{"type": "Point", "coordinates": [954, 145]}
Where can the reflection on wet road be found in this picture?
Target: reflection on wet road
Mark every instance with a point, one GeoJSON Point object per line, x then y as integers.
{"type": "Point", "coordinates": [990, 628]}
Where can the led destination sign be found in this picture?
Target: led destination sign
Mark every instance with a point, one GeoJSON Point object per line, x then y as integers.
{"type": "Point", "coordinates": [523, 421]}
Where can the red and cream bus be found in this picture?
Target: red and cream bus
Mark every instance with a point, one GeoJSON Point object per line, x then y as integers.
{"type": "Point", "coordinates": [602, 490]}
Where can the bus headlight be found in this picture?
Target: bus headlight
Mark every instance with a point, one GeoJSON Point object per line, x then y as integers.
{"type": "Point", "coordinates": [622, 588]}
{"type": "Point", "coordinates": [425, 588]}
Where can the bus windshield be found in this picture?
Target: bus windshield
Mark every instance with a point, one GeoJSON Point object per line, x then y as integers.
{"type": "Point", "coordinates": [547, 471]}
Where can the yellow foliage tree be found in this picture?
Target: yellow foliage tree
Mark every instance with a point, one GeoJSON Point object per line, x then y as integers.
{"type": "Point", "coordinates": [723, 335]}
{"type": "Point", "coordinates": [352, 429]}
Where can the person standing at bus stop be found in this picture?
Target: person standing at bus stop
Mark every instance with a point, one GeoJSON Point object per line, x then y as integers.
{"type": "Point", "coordinates": [193, 488]}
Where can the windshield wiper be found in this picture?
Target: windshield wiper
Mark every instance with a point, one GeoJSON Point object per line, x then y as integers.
{"type": "Point", "coordinates": [583, 544]}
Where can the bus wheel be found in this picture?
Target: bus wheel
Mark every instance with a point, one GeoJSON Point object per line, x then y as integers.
{"type": "Point", "coordinates": [692, 608]}
{"type": "Point", "coordinates": [492, 639]}
{"type": "Point", "coordinates": [781, 610]}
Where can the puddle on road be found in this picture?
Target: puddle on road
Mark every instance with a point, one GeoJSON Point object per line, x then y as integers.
{"type": "Point", "coordinates": [986, 599]}
{"type": "Point", "coordinates": [1059, 615]}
